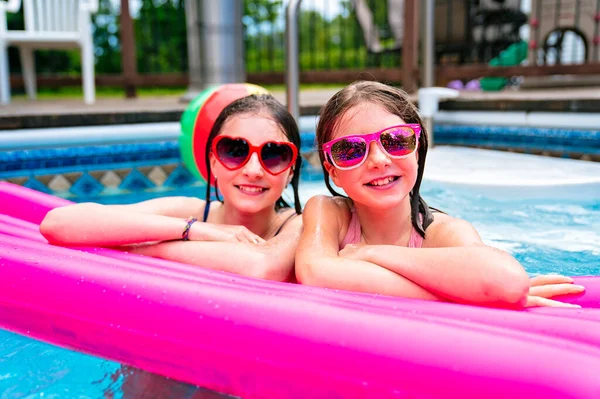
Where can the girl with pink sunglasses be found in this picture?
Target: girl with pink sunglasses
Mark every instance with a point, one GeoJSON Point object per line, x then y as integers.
{"type": "Point", "coordinates": [252, 153]}
{"type": "Point", "coordinates": [384, 238]}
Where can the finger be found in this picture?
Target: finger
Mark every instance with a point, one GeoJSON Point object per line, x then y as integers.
{"type": "Point", "coordinates": [254, 239]}
{"type": "Point", "coordinates": [258, 239]}
{"type": "Point", "coordinates": [550, 279]}
{"type": "Point", "coordinates": [552, 290]}
{"type": "Point", "coordinates": [241, 237]}
{"type": "Point", "coordinates": [535, 301]}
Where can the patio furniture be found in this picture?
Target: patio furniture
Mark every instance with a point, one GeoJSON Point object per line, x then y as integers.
{"type": "Point", "coordinates": [496, 26]}
{"type": "Point", "coordinates": [49, 24]}
{"type": "Point", "coordinates": [553, 17]}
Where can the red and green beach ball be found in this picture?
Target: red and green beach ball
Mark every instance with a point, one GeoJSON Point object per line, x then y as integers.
{"type": "Point", "coordinates": [199, 117]}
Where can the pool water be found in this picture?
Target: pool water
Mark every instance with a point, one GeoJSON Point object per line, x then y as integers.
{"type": "Point", "coordinates": [545, 236]}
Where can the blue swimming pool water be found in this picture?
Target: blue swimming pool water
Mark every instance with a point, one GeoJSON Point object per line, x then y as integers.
{"type": "Point", "coordinates": [545, 236]}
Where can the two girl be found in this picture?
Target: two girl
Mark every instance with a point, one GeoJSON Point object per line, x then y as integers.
{"type": "Point", "coordinates": [382, 239]}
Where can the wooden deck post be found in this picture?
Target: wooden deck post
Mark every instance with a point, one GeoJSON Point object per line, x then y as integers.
{"type": "Point", "coordinates": [410, 47]}
{"type": "Point", "coordinates": [128, 55]}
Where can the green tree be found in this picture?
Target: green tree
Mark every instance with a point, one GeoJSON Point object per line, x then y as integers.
{"type": "Point", "coordinates": [257, 12]}
{"type": "Point", "coordinates": [14, 22]}
{"type": "Point", "coordinates": [107, 41]}
{"type": "Point", "coordinates": [263, 35]}
{"type": "Point", "coordinates": [160, 34]}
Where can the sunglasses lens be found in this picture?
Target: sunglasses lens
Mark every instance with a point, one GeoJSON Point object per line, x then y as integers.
{"type": "Point", "coordinates": [277, 157]}
{"type": "Point", "coordinates": [349, 152]}
{"type": "Point", "coordinates": [399, 141]}
{"type": "Point", "coordinates": [232, 152]}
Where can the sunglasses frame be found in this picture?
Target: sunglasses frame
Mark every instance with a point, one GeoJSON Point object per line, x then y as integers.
{"type": "Point", "coordinates": [254, 149]}
{"type": "Point", "coordinates": [369, 138]}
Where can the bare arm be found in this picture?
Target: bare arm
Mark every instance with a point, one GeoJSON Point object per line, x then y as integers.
{"type": "Point", "coordinates": [318, 262]}
{"type": "Point", "coordinates": [161, 219]}
{"type": "Point", "coordinates": [456, 265]}
{"type": "Point", "coordinates": [272, 260]}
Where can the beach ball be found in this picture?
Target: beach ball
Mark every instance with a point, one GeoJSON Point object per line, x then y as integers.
{"type": "Point", "coordinates": [199, 117]}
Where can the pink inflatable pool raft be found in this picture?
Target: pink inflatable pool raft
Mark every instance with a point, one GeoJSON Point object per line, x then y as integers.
{"type": "Point", "coordinates": [259, 339]}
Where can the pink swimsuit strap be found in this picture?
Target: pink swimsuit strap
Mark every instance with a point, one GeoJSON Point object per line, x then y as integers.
{"type": "Point", "coordinates": [415, 241]}
{"type": "Point", "coordinates": [354, 231]}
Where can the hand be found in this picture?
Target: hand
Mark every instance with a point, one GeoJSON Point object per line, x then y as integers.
{"type": "Point", "coordinates": [542, 288]}
{"type": "Point", "coordinates": [549, 286]}
{"type": "Point", "coordinates": [225, 232]}
{"type": "Point", "coordinates": [353, 251]}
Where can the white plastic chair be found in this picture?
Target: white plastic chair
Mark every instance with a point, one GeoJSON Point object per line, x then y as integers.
{"type": "Point", "coordinates": [54, 24]}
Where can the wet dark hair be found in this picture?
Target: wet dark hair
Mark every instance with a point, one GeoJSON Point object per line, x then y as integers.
{"type": "Point", "coordinates": [254, 104]}
{"type": "Point", "coordinates": [394, 101]}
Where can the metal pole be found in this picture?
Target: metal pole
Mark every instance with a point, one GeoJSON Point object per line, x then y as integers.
{"type": "Point", "coordinates": [428, 59]}
{"type": "Point", "coordinates": [428, 43]}
{"type": "Point", "coordinates": [217, 50]}
{"type": "Point", "coordinates": [193, 47]}
{"type": "Point", "coordinates": [292, 65]}
{"type": "Point", "coordinates": [221, 42]}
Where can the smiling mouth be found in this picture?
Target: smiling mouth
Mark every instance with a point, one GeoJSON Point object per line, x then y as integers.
{"type": "Point", "coordinates": [251, 189]}
{"type": "Point", "coordinates": [383, 181]}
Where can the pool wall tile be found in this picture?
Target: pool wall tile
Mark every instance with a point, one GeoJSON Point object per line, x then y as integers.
{"type": "Point", "coordinates": [144, 169]}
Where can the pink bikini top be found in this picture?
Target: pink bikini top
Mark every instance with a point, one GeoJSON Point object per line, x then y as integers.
{"type": "Point", "coordinates": [353, 234]}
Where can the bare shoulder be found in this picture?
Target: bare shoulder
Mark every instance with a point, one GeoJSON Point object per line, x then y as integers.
{"type": "Point", "coordinates": [328, 202]}
{"type": "Point", "coordinates": [292, 222]}
{"type": "Point", "coordinates": [448, 231]}
{"type": "Point", "coordinates": [329, 215]}
{"type": "Point", "coordinates": [325, 206]}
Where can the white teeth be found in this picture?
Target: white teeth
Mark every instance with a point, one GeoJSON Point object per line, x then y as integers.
{"type": "Point", "coordinates": [382, 182]}
{"type": "Point", "coordinates": [251, 189]}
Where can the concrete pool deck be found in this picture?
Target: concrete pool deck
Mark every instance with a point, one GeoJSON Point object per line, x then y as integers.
{"type": "Point", "coordinates": [44, 113]}
{"type": "Point", "coordinates": [509, 176]}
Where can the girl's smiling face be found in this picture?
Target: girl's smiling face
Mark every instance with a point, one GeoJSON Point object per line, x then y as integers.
{"type": "Point", "coordinates": [251, 189]}
{"type": "Point", "coordinates": [381, 181]}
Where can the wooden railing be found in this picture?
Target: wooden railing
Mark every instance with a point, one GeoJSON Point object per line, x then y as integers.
{"type": "Point", "coordinates": [333, 48]}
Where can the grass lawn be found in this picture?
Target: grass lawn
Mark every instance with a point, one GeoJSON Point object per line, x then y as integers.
{"type": "Point", "coordinates": [75, 92]}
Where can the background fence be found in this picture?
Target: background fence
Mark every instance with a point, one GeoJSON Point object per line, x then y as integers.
{"type": "Point", "coordinates": [340, 38]}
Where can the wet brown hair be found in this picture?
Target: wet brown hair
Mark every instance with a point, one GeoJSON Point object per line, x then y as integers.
{"type": "Point", "coordinates": [394, 101]}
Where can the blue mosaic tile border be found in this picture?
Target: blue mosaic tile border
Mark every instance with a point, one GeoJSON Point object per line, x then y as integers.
{"type": "Point", "coordinates": [505, 137]}
{"type": "Point", "coordinates": [103, 173]}
{"type": "Point", "coordinates": [115, 173]}
{"type": "Point", "coordinates": [82, 156]}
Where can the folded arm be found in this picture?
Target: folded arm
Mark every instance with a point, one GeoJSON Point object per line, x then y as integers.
{"type": "Point", "coordinates": [456, 265]}
{"type": "Point", "coordinates": [271, 260]}
{"type": "Point", "coordinates": [318, 262]}
{"type": "Point", "coordinates": [161, 219]}
{"type": "Point", "coordinates": [462, 269]}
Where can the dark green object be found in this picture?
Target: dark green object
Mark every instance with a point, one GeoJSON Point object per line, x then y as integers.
{"type": "Point", "coordinates": [513, 55]}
